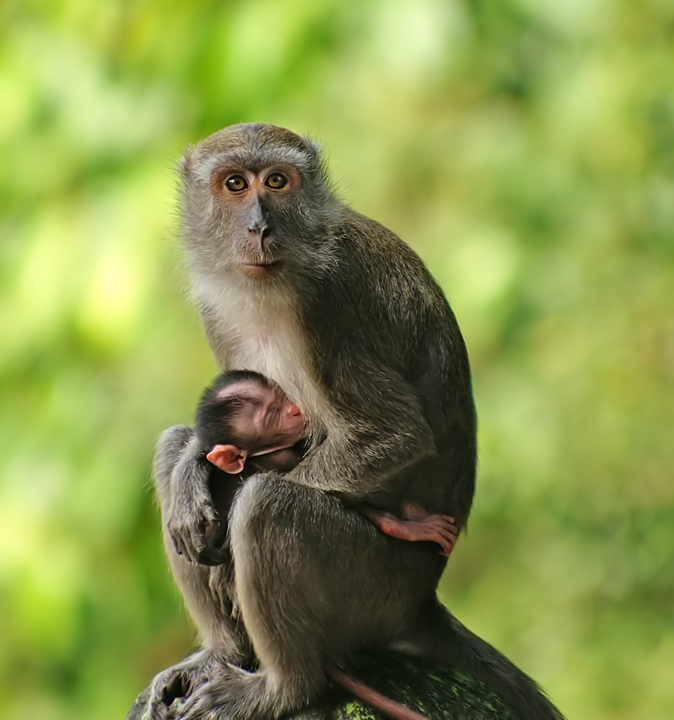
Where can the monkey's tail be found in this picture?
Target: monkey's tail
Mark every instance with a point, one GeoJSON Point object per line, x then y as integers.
{"type": "Point", "coordinates": [519, 692]}
{"type": "Point", "coordinates": [372, 697]}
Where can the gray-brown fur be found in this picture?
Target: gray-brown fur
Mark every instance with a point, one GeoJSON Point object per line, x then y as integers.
{"type": "Point", "coordinates": [350, 324]}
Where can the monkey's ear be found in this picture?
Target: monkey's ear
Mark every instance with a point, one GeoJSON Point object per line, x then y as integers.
{"type": "Point", "coordinates": [185, 160]}
{"type": "Point", "coordinates": [312, 145]}
{"type": "Point", "coordinates": [228, 458]}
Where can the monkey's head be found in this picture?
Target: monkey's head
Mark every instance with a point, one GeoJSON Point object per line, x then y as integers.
{"type": "Point", "coordinates": [255, 201]}
{"type": "Point", "coordinates": [244, 416]}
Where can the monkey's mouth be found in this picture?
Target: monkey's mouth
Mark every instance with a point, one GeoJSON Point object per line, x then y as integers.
{"type": "Point", "coordinates": [260, 269]}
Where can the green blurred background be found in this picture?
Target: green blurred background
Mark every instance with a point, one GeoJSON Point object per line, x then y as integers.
{"type": "Point", "coordinates": [525, 149]}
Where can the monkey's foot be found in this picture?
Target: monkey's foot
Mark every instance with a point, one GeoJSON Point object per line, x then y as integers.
{"type": "Point", "coordinates": [416, 525]}
{"type": "Point", "coordinates": [168, 691]}
{"type": "Point", "coordinates": [438, 691]}
{"type": "Point", "coordinates": [171, 688]}
{"type": "Point", "coordinates": [166, 696]}
{"type": "Point", "coordinates": [235, 694]}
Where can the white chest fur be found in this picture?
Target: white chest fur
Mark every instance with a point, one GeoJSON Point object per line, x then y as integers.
{"type": "Point", "coordinates": [254, 326]}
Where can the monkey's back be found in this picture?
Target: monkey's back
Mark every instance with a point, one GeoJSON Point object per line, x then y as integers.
{"type": "Point", "coordinates": [383, 312]}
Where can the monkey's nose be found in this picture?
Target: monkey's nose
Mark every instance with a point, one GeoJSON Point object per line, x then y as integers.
{"type": "Point", "coordinates": [263, 231]}
{"type": "Point", "coordinates": [260, 227]}
{"type": "Point", "coordinates": [293, 410]}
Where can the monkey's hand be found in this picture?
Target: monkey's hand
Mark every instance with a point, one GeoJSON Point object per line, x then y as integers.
{"type": "Point", "coordinates": [416, 525]}
{"type": "Point", "coordinates": [197, 532]}
{"type": "Point", "coordinates": [188, 514]}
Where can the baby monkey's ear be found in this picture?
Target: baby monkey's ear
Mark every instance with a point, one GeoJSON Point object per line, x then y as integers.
{"type": "Point", "coordinates": [228, 458]}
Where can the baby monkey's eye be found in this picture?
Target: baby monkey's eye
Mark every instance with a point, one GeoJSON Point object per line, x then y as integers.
{"type": "Point", "coordinates": [276, 181]}
{"type": "Point", "coordinates": [271, 417]}
{"type": "Point", "coordinates": [236, 183]}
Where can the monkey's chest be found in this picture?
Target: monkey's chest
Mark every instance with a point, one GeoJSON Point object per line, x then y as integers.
{"type": "Point", "coordinates": [265, 336]}
{"type": "Point", "coordinates": [269, 344]}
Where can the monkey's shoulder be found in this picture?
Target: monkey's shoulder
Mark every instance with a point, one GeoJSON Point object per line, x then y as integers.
{"type": "Point", "coordinates": [370, 239]}
{"type": "Point", "coordinates": [378, 263]}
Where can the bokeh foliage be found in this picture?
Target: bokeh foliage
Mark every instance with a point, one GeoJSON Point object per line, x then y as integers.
{"type": "Point", "coordinates": [525, 149]}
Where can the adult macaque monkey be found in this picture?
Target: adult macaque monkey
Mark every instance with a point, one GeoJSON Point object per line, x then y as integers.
{"type": "Point", "coordinates": [343, 316]}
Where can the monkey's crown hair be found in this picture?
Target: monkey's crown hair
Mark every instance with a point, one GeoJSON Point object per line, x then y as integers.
{"type": "Point", "coordinates": [257, 144]}
{"type": "Point", "coordinates": [214, 421]}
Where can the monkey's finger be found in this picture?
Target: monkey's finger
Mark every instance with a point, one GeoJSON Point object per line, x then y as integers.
{"type": "Point", "coordinates": [445, 540]}
{"type": "Point", "coordinates": [165, 690]}
{"type": "Point", "coordinates": [449, 527]}
{"type": "Point", "coordinates": [161, 712]}
{"type": "Point", "coordinates": [444, 521]}
{"type": "Point", "coordinates": [441, 524]}
{"type": "Point", "coordinates": [178, 544]}
{"type": "Point", "coordinates": [436, 524]}
{"type": "Point", "coordinates": [188, 545]}
{"type": "Point", "coordinates": [216, 549]}
{"type": "Point", "coordinates": [201, 705]}
{"type": "Point", "coordinates": [185, 548]}
{"type": "Point", "coordinates": [194, 551]}
{"type": "Point", "coordinates": [450, 537]}
{"type": "Point", "coordinates": [213, 556]}
{"type": "Point", "coordinates": [447, 545]}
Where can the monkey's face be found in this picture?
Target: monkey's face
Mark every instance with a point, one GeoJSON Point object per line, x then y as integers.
{"type": "Point", "coordinates": [254, 203]}
{"type": "Point", "coordinates": [268, 420]}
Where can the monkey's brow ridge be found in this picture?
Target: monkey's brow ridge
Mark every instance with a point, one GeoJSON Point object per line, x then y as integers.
{"type": "Point", "coordinates": [228, 393]}
{"type": "Point", "coordinates": [259, 160]}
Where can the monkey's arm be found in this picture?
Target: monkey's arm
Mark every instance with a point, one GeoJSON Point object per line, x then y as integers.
{"type": "Point", "coordinates": [378, 430]}
{"type": "Point", "coordinates": [188, 514]}
{"type": "Point", "coordinates": [181, 482]}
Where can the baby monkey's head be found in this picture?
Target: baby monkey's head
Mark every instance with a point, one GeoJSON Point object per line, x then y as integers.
{"type": "Point", "coordinates": [246, 421]}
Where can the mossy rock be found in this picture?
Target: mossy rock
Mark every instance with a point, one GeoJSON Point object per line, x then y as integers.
{"type": "Point", "coordinates": [439, 692]}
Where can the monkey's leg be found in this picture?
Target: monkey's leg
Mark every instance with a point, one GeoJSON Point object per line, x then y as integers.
{"type": "Point", "coordinates": [416, 525]}
{"type": "Point", "coordinates": [208, 591]}
{"type": "Point", "coordinates": [207, 599]}
{"type": "Point", "coordinates": [315, 582]}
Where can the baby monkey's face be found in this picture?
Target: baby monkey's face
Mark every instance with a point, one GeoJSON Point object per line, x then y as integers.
{"type": "Point", "coordinates": [267, 426]}
{"type": "Point", "coordinates": [267, 420]}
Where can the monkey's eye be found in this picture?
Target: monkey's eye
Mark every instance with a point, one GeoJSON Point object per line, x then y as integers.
{"type": "Point", "coordinates": [276, 181]}
{"type": "Point", "coordinates": [236, 183]}
{"type": "Point", "coordinates": [271, 416]}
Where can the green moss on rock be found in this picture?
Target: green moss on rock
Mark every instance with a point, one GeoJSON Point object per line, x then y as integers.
{"type": "Point", "coordinates": [436, 691]}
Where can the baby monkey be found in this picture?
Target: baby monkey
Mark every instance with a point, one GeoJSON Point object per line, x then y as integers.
{"type": "Point", "coordinates": [247, 424]}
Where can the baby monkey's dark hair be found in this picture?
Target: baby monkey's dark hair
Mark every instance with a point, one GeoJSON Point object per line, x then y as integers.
{"type": "Point", "coordinates": [214, 422]}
